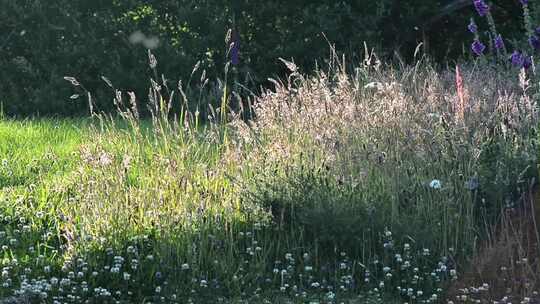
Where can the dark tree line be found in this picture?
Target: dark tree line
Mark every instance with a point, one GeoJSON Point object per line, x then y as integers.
{"type": "Point", "coordinates": [43, 41]}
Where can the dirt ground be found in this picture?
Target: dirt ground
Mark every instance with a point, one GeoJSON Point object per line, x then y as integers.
{"type": "Point", "coordinates": [506, 269]}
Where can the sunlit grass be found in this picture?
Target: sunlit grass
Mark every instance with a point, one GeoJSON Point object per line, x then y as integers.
{"type": "Point", "coordinates": [363, 188]}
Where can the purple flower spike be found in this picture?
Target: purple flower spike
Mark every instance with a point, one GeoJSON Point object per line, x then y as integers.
{"type": "Point", "coordinates": [517, 59]}
{"type": "Point", "coordinates": [524, 2]}
{"type": "Point", "coordinates": [481, 7]}
{"type": "Point", "coordinates": [521, 60]}
{"type": "Point", "coordinates": [527, 62]}
{"type": "Point", "coordinates": [478, 47]}
{"type": "Point", "coordinates": [534, 41]}
{"type": "Point", "coordinates": [235, 49]}
{"type": "Point", "coordinates": [472, 27]}
{"type": "Point", "coordinates": [499, 43]}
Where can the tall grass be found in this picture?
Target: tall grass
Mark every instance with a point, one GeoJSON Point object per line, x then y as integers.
{"type": "Point", "coordinates": [368, 186]}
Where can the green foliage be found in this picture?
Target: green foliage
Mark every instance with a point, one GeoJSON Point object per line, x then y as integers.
{"type": "Point", "coordinates": [43, 42]}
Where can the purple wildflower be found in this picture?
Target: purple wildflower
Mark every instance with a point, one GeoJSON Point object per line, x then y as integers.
{"type": "Point", "coordinates": [534, 41]}
{"type": "Point", "coordinates": [235, 49]}
{"type": "Point", "coordinates": [527, 62]}
{"type": "Point", "coordinates": [521, 60]}
{"type": "Point", "coordinates": [499, 42]}
{"type": "Point", "coordinates": [472, 27]}
{"type": "Point", "coordinates": [517, 58]}
{"type": "Point", "coordinates": [524, 2]}
{"type": "Point", "coordinates": [481, 7]}
{"type": "Point", "coordinates": [478, 47]}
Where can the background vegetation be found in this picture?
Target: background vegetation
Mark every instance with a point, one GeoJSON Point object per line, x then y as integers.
{"type": "Point", "coordinates": [42, 42]}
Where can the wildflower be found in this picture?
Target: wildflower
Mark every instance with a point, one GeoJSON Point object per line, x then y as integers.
{"type": "Point", "coordinates": [534, 42]}
{"type": "Point", "coordinates": [472, 27]}
{"type": "Point", "coordinates": [524, 2]}
{"type": "Point", "coordinates": [521, 60]}
{"type": "Point", "coordinates": [478, 47]}
{"type": "Point", "coordinates": [235, 48]}
{"type": "Point", "coordinates": [516, 58]}
{"type": "Point", "coordinates": [527, 62]}
{"type": "Point", "coordinates": [481, 7]}
{"type": "Point", "coordinates": [499, 42]}
{"type": "Point", "coordinates": [435, 184]}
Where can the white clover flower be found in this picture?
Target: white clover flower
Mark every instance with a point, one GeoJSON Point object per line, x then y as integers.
{"type": "Point", "coordinates": [330, 295]}
{"type": "Point", "coordinates": [435, 184]}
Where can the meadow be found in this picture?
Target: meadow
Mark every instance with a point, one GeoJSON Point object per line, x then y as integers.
{"type": "Point", "coordinates": [373, 183]}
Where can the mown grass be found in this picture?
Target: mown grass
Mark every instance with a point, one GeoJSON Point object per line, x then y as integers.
{"type": "Point", "coordinates": [367, 187]}
{"type": "Point", "coordinates": [27, 144]}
